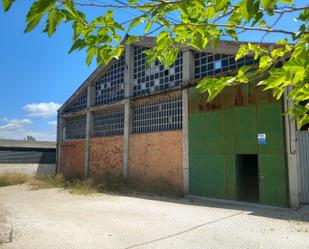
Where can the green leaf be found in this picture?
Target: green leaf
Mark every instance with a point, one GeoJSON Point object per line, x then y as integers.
{"type": "Point", "coordinates": [78, 44]}
{"type": "Point", "coordinates": [247, 9]}
{"type": "Point", "coordinates": [32, 24]}
{"type": "Point", "coordinates": [162, 40]}
{"type": "Point", "coordinates": [265, 62]}
{"type": "Point", "coordinates": [132, 39]}
{"type": "Point", "coordinates": [148, 26]}
{"type": "Point", "coordinates": [132, 2]}
{"type": "Point", "coordinates": [220, 4]}
{"type": "Point", "coordinates": [170, 57]}
{"type": "Point", "coordinates": [286, 1]}
{"type": "Point", "coordinates": [268, 4]}
{"type": "Point", "coordinates": [6, 4]}
{"type": "Point", "coordinates": [134, 23]}
{"type": "Point", "coordinates": [91, 52]}
{"type": "Point", "coordinates": [38, 9]}
{"type": "Point", "coordinates": [295, 65]}
{"type": "Point", "coordinates": [197, 41]}
{"type": "Point", "coordinates": [242, 51]}
{"type": "Point", "coordinates": [54, 19]}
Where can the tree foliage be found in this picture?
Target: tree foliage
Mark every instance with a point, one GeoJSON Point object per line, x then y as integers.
{"type": "Point", "coordinates": [195, 23]}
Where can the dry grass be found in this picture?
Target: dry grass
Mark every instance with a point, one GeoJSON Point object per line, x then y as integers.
{"type": "Point", "coordinates": [8, 179]}
{"type": "Point", "coordinates": [44, 182]}
{"type": "Point", "coordinates": [80, 186]}
{"type": "Point", "coordinates": [107, 184]}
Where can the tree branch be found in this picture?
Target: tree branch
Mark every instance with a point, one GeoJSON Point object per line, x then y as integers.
{"type": "Point", "coordinates": [238, 27]}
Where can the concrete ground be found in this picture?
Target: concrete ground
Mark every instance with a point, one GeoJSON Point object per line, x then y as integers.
{"type": "Point", "coordinates": [54, 218]}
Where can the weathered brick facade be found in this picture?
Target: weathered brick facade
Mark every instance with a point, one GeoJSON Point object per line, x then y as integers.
{"type": "Point", "coordinates": [106, 155]}
{"type": "Point", "coordinates": [156, 158]}
{"type": "Point", "coordinates": [72, 159]}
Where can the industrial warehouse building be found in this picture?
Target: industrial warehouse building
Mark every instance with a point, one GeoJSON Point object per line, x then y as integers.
{"type": "Point", "coordinates": [150, 124]}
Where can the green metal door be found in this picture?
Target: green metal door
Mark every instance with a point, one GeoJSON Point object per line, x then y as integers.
{"type": "Point", "coordinates": [219, 132]}
{"type": "Point", "coordinates": [272, 179]}
{"type": "Point", "coordinates": [271, 159]}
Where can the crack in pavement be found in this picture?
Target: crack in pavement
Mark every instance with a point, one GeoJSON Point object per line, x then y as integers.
{"type": "Point", "coordinates": [184, 231]}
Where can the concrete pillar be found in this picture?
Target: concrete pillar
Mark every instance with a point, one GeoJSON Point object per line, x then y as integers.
{"type": "Point", "coordinates": [188, 74]}
{"type": "Point", "coordinates": [291, 151]}
{"type": "Point", "coordinates": [90, 102]}
{"type": "Point", "coordinates": [59, 141]}
{"type": "Point", "coordinates": [129, 91]}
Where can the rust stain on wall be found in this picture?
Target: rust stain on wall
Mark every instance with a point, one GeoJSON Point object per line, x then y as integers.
{"type": "Point", "coordinates": [72, 158]}
{"type": "Point", "coordinates": [156, 158]}
{"type": "Point", "coordinates": [230, 97]}
{"type": "Point", "coordinates": [106, 156]}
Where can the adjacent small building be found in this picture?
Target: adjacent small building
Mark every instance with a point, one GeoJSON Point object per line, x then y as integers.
{"type": "Point", "coordinates": [150, 124]}
{"type": "Point", "coordinates": [29, 157]}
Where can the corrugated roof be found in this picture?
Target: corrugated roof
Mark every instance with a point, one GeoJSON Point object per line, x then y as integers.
{"type": "Point", "coordinates": [27, 144]}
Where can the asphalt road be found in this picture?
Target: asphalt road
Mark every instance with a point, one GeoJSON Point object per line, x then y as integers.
{"type": "Point", "coordinates": [54, 218]}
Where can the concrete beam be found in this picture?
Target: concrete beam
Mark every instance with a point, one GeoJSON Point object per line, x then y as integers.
{"type": "Point", "coordinates": [188, 74]}
{"type": "Point", "coordinates": [291, 152]}
{"type": "Point", "coordinates": [90, 102]}
{"type": "Point", "coordinates": [59, 141]}
{"type": "Point", "coordinates": [128, 125]}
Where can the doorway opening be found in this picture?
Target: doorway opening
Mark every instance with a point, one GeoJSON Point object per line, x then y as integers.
{"type": "Point", "coordinates": [247, 178]}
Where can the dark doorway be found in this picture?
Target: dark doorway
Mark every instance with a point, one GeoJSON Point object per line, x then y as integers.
{"type": "Point", "coordinates": [247, 178]}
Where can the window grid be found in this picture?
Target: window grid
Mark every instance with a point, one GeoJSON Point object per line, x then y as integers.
{"type": "Point", "coordinates": [110, 87]}
{"type": "Point", "coordinates": [207, 64]}
{"type": "Point", "coordinates": [154, 77]}
{"type": "Point", "coordinates": [161, 114]}
{"type": "Point", "coordinates": [78, 105]}
{"type": "Point", "coordinates": [75, 128]}
{"type": "Point", "coordinates": [108, 123]}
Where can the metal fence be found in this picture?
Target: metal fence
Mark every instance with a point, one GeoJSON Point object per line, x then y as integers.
{"type": "Point", "coordinates": [160, 114]}
{"type": "Point", "coordinates": [303, 157]}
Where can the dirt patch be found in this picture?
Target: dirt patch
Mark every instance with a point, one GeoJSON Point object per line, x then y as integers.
{"type": "Point", "coordinates": [5, 227]}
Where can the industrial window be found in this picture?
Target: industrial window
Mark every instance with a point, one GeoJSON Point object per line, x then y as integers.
{"type": "Point", "coordinates": [75, 128]}
{"type": "Point", "coordinates": [160, 114]}
{"type": "Point", "coordinates": [154, 77]}
{"type": "Point", "coordinates": [110, 87]}
{"type": "Point", "coordinates": [207, 64]}
{"type": "Point", "coordinates": [108, 123]}
{"type": "Point", "coordinates": [79, 104]}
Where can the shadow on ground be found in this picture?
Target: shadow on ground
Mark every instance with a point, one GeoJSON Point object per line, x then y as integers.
{"type": "Point", "coordinates": [301, 214]}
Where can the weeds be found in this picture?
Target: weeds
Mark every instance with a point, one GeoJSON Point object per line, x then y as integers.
{"type": "Point", "coordinates": [43, 182]}
{"type": "Point", "coordinates": [81, 186]}
{"type": "Point", "coordinates": [106, 184]}
{"type": "Point", "coordinates": [8, 179]}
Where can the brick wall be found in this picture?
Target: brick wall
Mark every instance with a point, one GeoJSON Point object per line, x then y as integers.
{"type": "Point", "coordinates": [72, 158]}
{"type": "Point", "coordinates": [106, 156]}
{"type": "Point", "coordinates": [156, 158]}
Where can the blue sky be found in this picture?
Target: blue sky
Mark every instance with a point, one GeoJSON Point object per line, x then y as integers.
{"type": "Point", "coordinates": [38, 75]}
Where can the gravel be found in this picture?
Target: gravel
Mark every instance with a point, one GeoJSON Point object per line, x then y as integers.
{"type": "Point", "coordinates": [54, 218]}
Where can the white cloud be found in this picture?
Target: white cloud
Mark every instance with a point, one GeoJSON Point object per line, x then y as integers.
{"type": "Point", "coordinates": [15, 123]}
{"type": "Point", "coordinates": [19, 129]}
{"type": "Point", "coordinates": [53, 123]}
{"type": "Point", "coordinates": [43, 110]}
{"type": "Point", "coordinates": [21, 133]}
